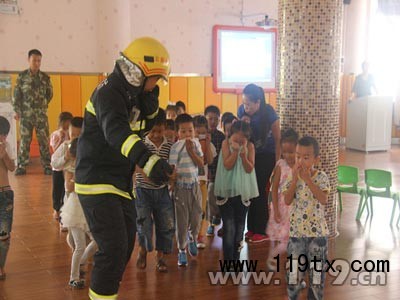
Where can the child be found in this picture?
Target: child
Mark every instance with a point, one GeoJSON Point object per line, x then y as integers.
{"type": "Point", "coordinates": [172, 112]}
{"type": "Point", "coordinates": [61, 155]}
{"type": "Point", "coordinates": [227, 124]}
{"type": "Point", "coordinates": [278, 224]}
{"type": "Point", "coordinates": [57, 138]}
{"type": "Point", "coordinates": [61, 134]}
{"type": "Point", "coordinates": [74, 219]}
{"type": "Point", "coordinates": [187, 157]}
{"type": "Point", "coordinates": [227, 120]}
{"type": "Point", "coordinates": [209, 151]}
{"type": "Point", "coordinates": [225, 115]}
{"type": "Point", "coordinates": [307, 192]}
{"type": "Point", "coordinates": [6, 194]}
{"type": "Point", "coordinates": [170, 132]}
{"type": "Point", "coordinates": [212, 115]}
{"type": "Point", "coordinates": [235, 186]}
{"type": "Point", "coordinates": [153, 203]}
{"type": "Point", "coordinates": [181, 107]}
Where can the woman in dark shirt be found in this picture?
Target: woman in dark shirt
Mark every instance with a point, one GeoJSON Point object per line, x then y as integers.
{"type": "Point", "coordinates": [265, 127]}
{"type": "Point", "coordinates": [364, 83]}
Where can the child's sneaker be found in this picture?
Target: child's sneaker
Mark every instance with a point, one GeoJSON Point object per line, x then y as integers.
{"type": "Point", "coordinates": [20, 171]}
{"type": "Point", "coordinates": [249, 234]}
{"type": "Point", "coordinates": [182, 258]}
{"type": "Point", "coordinates": [77, 284]}
{"type": "Point", "coordinates": [192, 247]}
{"type": "Point", "coordinates": [216, 221]}
{"type": "Point", "coordinates": [258, 238]}
{"type": "Point", "coordinates": [200, 242]}
{"type": "Point", "coordinates": [210, 230]}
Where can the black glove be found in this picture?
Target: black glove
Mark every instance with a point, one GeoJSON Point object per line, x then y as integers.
{"type": "Point", "coordinates": [157, 169]}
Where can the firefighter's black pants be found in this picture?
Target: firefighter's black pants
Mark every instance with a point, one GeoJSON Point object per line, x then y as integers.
{"type": "Point", "coordinates": [112, 222]}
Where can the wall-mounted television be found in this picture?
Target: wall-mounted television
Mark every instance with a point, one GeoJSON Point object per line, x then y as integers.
{"type": "Point", "coordinates": [243, 55]}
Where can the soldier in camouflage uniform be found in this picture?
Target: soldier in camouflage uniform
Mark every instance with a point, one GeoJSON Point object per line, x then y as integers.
{"type": "Point", "coordinates": [32, 95]}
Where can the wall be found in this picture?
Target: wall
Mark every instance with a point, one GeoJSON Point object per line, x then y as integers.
{"type": "Point", "coordinates": [65, 31]}
{"type": "Point", "coordinates": [185, 26]}
{"type": "Point", "coordinates": [355, 35]}
{"type": "Point", "coordinates": [113, 20]}
{"type": "Point", "coordinates": [86, 36]}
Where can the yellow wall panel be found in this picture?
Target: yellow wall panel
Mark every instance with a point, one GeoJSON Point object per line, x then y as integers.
{"type": "Point", "coordinates": [272, 100]}
{"type": "Point", "coordinates": [13, 81]}
{"type": "Point", "coordinates": [88, 85]}
{"type": "Point", "coordinates": [195, 95]}
{"type": "Point", "coordinates": [266, 95]}
{"type": "Point", "coordinates": [239, 101]}
{"type": "Point", "coordinates": [212, 98]}
{"type": "Point", "coordinates": [178, 89]}
{"type": "Point", "coordinates": [229, 103]}
{"type": "Point", "coordinates": [71, 94]}
{"type": "Point", "coordinates": [164, 94]}
{"type": "Point", "coordinates": [55, 104]}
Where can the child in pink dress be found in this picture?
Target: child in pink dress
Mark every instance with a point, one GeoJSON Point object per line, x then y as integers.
{"type": "Point", "coordinates": [278, 225]}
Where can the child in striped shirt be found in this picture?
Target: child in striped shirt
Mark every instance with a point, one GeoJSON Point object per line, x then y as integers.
{"type": "Point", "coordinates": [153, 203]}
{"type": "Point", "coordinates": [187, 157]}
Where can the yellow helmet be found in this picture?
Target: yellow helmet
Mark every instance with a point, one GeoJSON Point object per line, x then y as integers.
{"type": "Point", "coordinates": [150, 56]}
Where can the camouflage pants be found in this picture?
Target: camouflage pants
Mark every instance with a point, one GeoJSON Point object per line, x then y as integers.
{"type": "Point", "coordinates": [41, 126]}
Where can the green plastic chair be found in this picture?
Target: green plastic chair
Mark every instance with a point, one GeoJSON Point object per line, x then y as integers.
{"type": "Point", "coordinates": [379, 183]}
{"type": "Point", "coordinates": [348, 183]}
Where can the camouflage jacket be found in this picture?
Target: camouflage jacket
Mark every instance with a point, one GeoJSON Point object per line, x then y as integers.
{"type": "Point", "coordinates": [32, 93]}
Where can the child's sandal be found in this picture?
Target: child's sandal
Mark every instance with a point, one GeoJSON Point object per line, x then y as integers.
{"type": "Point", "coordinates": [77, 284]}
{"type": "Point", "coordinates": [161, 266]}
{"type": "Point", "coordinates": [141, 262]}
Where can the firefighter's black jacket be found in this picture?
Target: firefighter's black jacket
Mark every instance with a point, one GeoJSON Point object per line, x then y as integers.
{"type": "Point", "coordinates": [108, 148]}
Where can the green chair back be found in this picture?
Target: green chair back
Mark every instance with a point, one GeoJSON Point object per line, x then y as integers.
{"type": "Point", "coordinates": [378, 182]}
{"type": "Point", "coordinates": [347, 179]}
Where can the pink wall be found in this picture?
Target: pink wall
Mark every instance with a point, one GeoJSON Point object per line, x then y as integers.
{"type": "Point", "coordinates": [65, 31]}
{"type": "Point", "coordinates": [185, 26]}
{"type": "Point", "coordinates": [86, 36]}
{"type": "Point", "coordinates": [113, 19]}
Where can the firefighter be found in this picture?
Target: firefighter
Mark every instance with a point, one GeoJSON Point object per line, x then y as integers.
{"type": "Point", "coordinates": [119, 112]}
